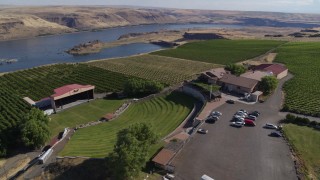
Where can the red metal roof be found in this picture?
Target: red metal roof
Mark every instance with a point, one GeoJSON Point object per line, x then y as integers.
{"type": "Point", "coordinates": [67, 88]}
{"type": "Point", "coordinates": [276, 68]}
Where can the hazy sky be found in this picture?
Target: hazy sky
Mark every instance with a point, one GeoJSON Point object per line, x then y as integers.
{"type": "Point", "coordinates": [305, 6]}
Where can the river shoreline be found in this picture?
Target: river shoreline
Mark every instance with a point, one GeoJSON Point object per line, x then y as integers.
{"type": "Point", "coordinates": [108, 28]}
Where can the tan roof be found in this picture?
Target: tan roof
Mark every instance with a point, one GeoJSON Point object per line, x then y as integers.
{"type": "Point", "coordinates": [163, 157]}
{"type": "Point", "coordinates": [239, 81]}
{"type": "Point", "coordinates": [256, 75]}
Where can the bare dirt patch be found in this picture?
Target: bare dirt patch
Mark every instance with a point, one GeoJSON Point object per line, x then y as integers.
{"type": "Point", "coordinates": [267, 58]}
{"type": "Point", "coordinates": [14, 167]}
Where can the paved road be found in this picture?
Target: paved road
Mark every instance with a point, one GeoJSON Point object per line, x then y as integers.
{"type": "Point", "coordinates": [238, 153]}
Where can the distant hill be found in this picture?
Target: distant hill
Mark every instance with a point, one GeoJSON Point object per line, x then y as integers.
{"type": "Point", "coordinates": [18, 22]}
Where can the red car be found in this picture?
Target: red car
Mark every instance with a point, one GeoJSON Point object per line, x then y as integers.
{"type": "Point", "coordinates": [249, 122]}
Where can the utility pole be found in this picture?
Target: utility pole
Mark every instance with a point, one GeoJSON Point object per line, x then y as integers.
{"type": "Point", "coordinates": [210, 90]}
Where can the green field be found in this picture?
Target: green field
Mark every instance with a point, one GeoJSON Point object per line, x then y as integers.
{"type": "Point", "coordinates": [306, 142]}
{"type": "Point", "coordinates": [302, 92]}
{"type": "Point", "coordinates": [163, 69]}
{"type": "Point", "coordinates": [164, 114]}
{"type": "Point", "coordinates": [221, 51]}
{"type": "Point", "coordinates": [87, 112]}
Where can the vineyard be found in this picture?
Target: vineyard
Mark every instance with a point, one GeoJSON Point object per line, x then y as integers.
{"type": "Point", "coordinates": [221, 51]}
{"type": "Point", "coordinates": [12, 109]}
{"type": "Point", "coordinates": [164, 114]}
{"type": "Point", "coordinates": [302, 92]}
{"type": "Point", "coordinates": [163, 69]}
{"type": "Point", "coordinates": [39, 82]}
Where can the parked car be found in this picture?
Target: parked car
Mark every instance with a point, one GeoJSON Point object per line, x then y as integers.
{"type": "Point", "coordinates": [249, 122]}
{"type": "Point", "coordinates": [237, 124]}
{"type": "Point", "coordinates": [212, 118]}
{"type": "Point", "coordinates": [270, 126]}
{"type": "Point", "coordinates": [169, 176]}
{"type": "Point", "coordinates": [230, 101]}
{"type": "Point", "coordinates": [202, 131]}
{"type": "Point", "coordinates": [238, 119]}
{"type": "Point", "coordinates": [253, 118]}
{"type": "Point", "coordinates": [275, 134]}
{"type": "Point", "coordinates": [216, 113]}
{"type": "Point", "coordinates": [255, 113]}
{"type": "Point", "coordinates": [206, 177]}
{"type": "Point", "coordinates": [242, 110]}
{"type": "Point", "coordinates": [242, 113]}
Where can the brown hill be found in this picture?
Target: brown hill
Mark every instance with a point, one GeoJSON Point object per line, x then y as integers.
{"type": "Point", "coordinates": [94, 17]}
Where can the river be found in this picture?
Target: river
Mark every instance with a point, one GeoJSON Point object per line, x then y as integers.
{"type": "Point", "coordinates": [50, 49]}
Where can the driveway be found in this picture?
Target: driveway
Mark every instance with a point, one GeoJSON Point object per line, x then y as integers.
{"type": "Point", "coordinates": [238, 153]}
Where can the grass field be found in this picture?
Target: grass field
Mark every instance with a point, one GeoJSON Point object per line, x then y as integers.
{"type": "Point", "coordinates": [91, 111]}
{"type": "Point", "coordinates": [306, 142]}
{"type": "Point", "coordinates": [164, 114]}
{"type": "Point", "coordinates": [302, 92]}
{"type": "Point", "coordinates": [221, 51]}
{"type": "Point", "coordinates": [163, 69]}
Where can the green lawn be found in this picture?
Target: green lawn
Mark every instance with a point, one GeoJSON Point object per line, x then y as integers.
{"type": "Point", "coordinates": [302, 92]}
{"type": "Point", "coordinates": [164, 114]}
{"type": "Point", "coordinates": [306, 142]}
{"type": "Point", "coordinates": [91, 111]}
{"type": "Point", "coordinates": [221, 51]}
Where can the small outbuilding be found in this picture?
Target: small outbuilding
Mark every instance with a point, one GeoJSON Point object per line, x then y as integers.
{"type": "Point", "coordinates": [163, 158]}
{"type": "Point", "coordinates": [278, 70]}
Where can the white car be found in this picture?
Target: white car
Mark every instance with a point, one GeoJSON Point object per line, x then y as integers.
{"type": "Point", "coordinates": [238, 119]}
{"type": "Point", "coordinates": [202, 131]}
{"type": "Point", "coordinates": [252, 117]}
{"type": "Point", "coordinates": [270, 126]}
{"type": "Point", "coordinates": [242, 110]}
{"type": "Point", "coordinates": [239, 116]}
{"type": "Point", "coordinates": [216, 113]}
{"type": "Point", "coordinates": [206, 177]}
{"type": "Point", "coordinates": [242, 113]}
{"type": "Point", "coordinates": [237, 124]}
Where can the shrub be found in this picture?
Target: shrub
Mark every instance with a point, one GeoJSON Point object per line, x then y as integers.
{"type": "Point", "coordinates": [236, 69]}
{"type": "Point", "coordinates": [139, 87]}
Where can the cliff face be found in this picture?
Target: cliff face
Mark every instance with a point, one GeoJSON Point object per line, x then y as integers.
{"type": "Point", "coordinates": [23, 26]}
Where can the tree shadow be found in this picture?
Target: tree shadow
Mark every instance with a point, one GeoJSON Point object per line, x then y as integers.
{"type": "Point", "coordinates": [88, 169]}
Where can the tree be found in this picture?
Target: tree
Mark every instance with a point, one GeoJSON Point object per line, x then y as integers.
{"type": "Point", "coordinates": [35, 131]}
{"type": "Point", "coordinates": [131, 150]}
{"type": "Point", "coordinates": [140, 87]}
{"type": "Point", "coordinates": [268, 84]}
{"type": "Point", "coordinates": [236, 69]}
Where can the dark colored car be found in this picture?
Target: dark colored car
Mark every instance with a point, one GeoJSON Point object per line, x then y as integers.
{"type": "Point", "coordinates": [230, 101]}
{"type": "Point", "coordinates": [255, 113]}
{"type": "Point", "coordinates": [275, 134]}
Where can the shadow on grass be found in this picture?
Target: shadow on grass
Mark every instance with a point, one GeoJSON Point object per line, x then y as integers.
{"type": "Point", "coordinates": [87, 169]}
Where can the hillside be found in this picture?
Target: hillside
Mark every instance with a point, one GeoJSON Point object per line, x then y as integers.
{"type": "Point", "coordinates": [46, 20]}
{"type": "Point", "coordinates": [14, 26]}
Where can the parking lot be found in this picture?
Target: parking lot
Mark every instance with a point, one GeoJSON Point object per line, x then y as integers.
{"type": "Point", "coordinates": [238, 153]}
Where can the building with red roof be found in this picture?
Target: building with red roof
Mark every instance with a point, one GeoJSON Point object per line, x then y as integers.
{"type": "Point", "coordinates": [278, 70]}
{"type": "Point", "coordinates": [71, 93]}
